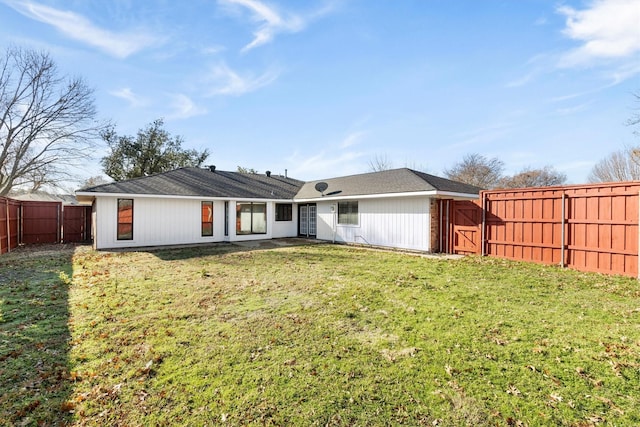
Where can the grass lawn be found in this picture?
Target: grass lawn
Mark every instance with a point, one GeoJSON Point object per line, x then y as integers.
{"type": "Point", "coordinates": [313, 335]}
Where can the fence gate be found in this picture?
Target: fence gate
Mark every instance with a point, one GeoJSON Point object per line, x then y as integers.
{"type": "Point", "coordinates": [464, 231]}
{"type": "Point", "coordinates": [76, 224]}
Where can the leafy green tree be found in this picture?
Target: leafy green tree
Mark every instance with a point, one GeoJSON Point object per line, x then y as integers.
{"type": "Point", "coordinates": [152, 151]}
{"type": "Point", "coordinates": [242, 169]}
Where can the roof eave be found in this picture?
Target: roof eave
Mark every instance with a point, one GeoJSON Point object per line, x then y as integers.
{"type": "Point", "coordinates": [83, 196]}
{"type": "Point", "coordinates": [92, 195]}
{"type": "Point", "coordinates": [367, 196]}
{"type": "Point", "coordinates": [427, 193]}
{"type": "Point", "coordinates": [460, 196]}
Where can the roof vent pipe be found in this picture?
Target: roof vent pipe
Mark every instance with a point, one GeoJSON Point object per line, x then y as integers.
{"type": "Point", "coordinates": [212, 168]}
{"type": "Point", "coordinates": [268, 173]}
{"type": "Point", "coordinates": [285, 173]}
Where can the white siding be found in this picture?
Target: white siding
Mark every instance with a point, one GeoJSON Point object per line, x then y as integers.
{"type": "Point", "coordinates": [391, 222]}
{"type": "Point", "coordinates": [173, 221]}
{"type": "Point", "coordinates": [285, 228]}
{"type": "Point", "coordinates": [157, 221]}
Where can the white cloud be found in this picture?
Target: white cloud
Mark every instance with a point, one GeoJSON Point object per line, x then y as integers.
{"type": "Point", "coordinates": [537, 64]}
{"type": "Point", "coordinates": [213, 50]}
{"type": "Point", "coordinates": [624, 72]}
{"type": "Point", "coordinates": [272, 21]}
{"type": "Point", "coordinates": [224, 81]}
{"type": "Point", "coordinates": [573, 109]}
{"type": "Point", "coordinates": [128, 95]}
{"type": "Point", "coordinates": [521, 81]}
{"type": "Point", "coordinates": [353, 139]}
{"type": "Point", "coordinates": [184, 107]}
{"type": "Point", "coordinates": [483, 135]}
{"type": "Point", "coordinates": [540, 21]}
{"type": "Point", "coordinates": [324, 165]}
{"type": "Point", "coordinates": [608, 29]}
{"type": "Point", "coordinates": [80, 28]}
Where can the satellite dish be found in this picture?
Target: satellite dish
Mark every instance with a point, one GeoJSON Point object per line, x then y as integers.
{"type": "Point", "coordinates": [321, 187]}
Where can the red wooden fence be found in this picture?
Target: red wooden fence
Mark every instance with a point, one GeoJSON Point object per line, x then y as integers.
{"type": "Point", "coordinates": [41, 222]}
{"type": "Point", "coordinates": [585, 227]}
{"type": "Point", "coordinates": [9, 224]}
{"type": "Point", "coordinates": [28, 222]}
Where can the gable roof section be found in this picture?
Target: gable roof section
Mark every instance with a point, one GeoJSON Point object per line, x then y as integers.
{"type": "Point", "coordinates": [204, 183]}
{"type": "Point", "coordinates": [392, 181]}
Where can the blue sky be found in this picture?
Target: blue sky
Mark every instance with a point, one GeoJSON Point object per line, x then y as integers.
{"type": "Point", "coordinates": [320, 88]}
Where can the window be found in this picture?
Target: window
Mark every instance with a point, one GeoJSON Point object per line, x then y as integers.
{"type": "Point", "coordinates": [125, 219]}
{"type": "Point", "coordinates": [226, 218]}
{"type": "Point", "coordinates": [348, 213]}
{"type": "Point", "coordinates": [251, 218]}
{"type": "Point", "coordinates": [284, 212]}
{"type": "Point", "coordinates": [207, 219]}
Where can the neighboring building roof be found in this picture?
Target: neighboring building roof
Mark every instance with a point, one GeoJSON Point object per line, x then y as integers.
{"type": "Point", "coordinates": [66, 199]}
{"type": "Point", "coordinates": [204, 183]}
{"type": "Point", "coordinates": [392, 181]}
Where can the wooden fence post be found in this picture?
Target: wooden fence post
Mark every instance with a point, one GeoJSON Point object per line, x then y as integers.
{"type": "Point", "coordinates": [562, 232]}
{"type": "Point", "coordinates": [8, 226]}
{"type": "Point", "coordinates": [484, 220]}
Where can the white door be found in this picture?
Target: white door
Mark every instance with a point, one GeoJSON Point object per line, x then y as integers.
{"type": "Point", "coordinates": [312, 221]}
{"type": "Point", "coordinates": [308, 221]}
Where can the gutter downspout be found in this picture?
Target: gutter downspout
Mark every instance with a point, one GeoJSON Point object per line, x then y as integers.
{"type": "Point", "coordinates": [334, 222]}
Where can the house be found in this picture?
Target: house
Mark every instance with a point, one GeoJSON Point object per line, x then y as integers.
{"type": "Point", "coordinates": [394, 208]}
{"type": "Point", "coordinates": [192, 205]}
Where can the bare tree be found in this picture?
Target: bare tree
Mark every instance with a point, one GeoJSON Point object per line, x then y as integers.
{"type": "Point", "coordinates": [529, 177]}
{"type": "Point", "coordinates": [46, 121]}
{"type": "Point", "coordinates": [380, 163]}
{"type": "Point", "coordinates": [621, 165]}
{"type": "Point", "coordinates": [94, 181]}
{"type": "Point", "coordinates": [634, 120]}
{"type": "Point", "coordinates": [420, 167]}
{"type": "Point", "coordinates": [476, 169]}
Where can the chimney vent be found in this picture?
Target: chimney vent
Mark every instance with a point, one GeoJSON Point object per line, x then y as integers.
{"type": "Point", "coordinates": [268, 173]}
{"type": "Point", "coordinates": [285, 173]}
{"type": "Point", "coordinates": [212, 168]}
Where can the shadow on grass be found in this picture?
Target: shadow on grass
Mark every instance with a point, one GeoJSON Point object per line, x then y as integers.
{"type": "Point", "coordinates": [34, 337]}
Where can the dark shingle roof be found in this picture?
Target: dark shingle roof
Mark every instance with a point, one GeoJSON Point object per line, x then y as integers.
{"type": "Point", "coordinates": [204, 183]}
{"type": "Point", "coordinates": [385, 182]}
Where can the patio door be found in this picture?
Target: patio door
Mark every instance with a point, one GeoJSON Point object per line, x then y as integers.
{"type": "Point", "coordinates": [307, 220]}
